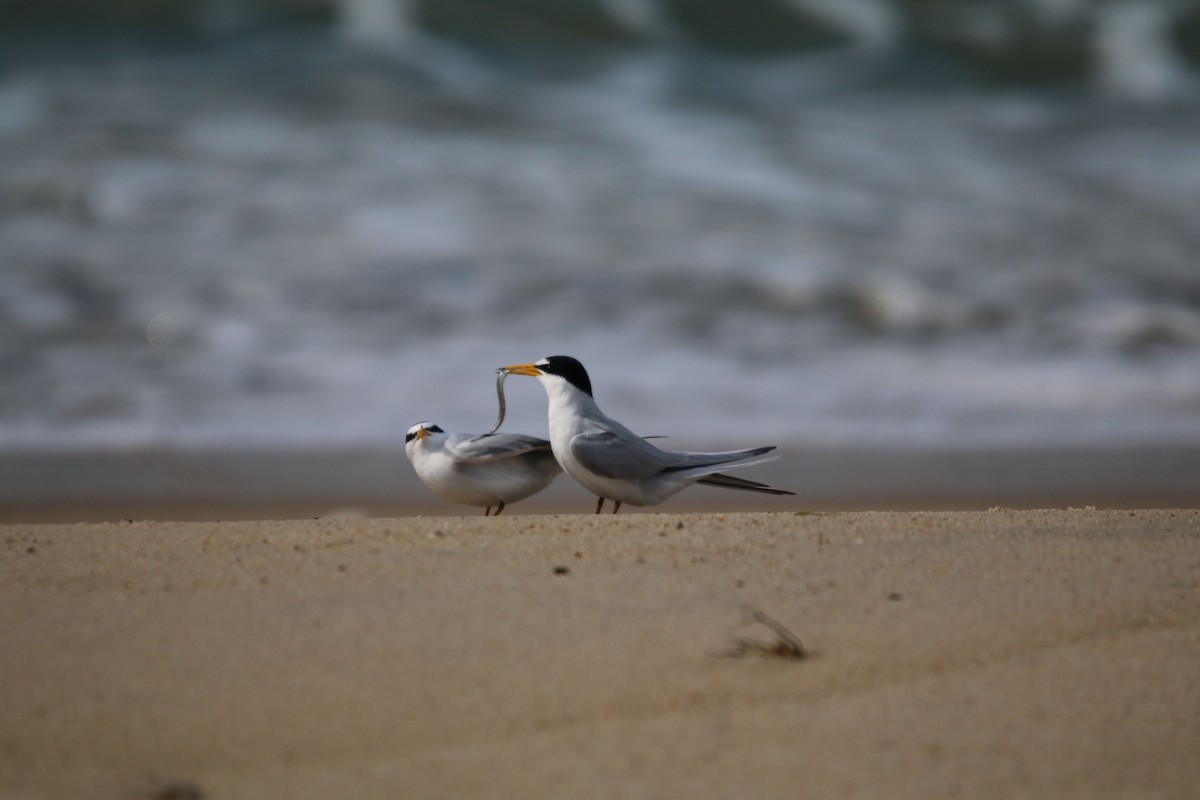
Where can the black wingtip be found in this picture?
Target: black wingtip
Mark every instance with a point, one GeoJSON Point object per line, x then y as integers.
{"type": "Point", "coordinates": [730, 482]}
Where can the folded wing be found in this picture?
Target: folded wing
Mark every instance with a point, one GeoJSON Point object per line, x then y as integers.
{"type": "Point", "coordinates": [614, 455]}
{"type": "Point", "coordinates": [494, 446]}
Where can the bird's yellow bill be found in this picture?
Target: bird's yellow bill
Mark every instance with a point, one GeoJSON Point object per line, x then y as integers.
{"type": "Point", "coordinates": [422, 433]}
{"type": "Point", "coordinates": [523, 369]}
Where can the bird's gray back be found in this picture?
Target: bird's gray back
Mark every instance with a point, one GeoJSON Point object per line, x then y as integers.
{"type": "Point", "coordinates": [493, 446]}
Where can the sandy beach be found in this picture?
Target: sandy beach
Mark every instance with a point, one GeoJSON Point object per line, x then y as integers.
{"type": "Point", "coordinates": [972, 654]}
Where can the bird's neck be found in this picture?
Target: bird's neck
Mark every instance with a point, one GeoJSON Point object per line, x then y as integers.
{"type": "Point", "coordinates": [568, 405]}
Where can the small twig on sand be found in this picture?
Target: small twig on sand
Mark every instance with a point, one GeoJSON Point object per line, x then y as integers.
{"type": "Point", "coordinates": [786, 644]}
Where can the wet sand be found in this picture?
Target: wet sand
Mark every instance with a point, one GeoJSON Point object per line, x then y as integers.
{"type": "Point", "coordinates": [169, 484]}
{"type": "Point", "coordinates": [975, 654]}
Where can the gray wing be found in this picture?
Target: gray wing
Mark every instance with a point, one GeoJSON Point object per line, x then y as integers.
{"type": "Point", "coordinates": [611, 455]}
{"type": "Point", "coordinates": [494, 446]}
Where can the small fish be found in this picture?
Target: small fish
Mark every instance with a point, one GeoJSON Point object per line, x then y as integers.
{"type": "Point", "coordinates": [501, 374]}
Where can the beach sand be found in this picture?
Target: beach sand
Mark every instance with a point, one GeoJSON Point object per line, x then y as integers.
{"type": "Point", "coordinates": [971, 654]}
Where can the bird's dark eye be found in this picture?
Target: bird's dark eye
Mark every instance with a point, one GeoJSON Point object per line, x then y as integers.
{"type": "Point", "coordinates": [435, 429]}
{"type": "Point", "coordinates": [408, 437]}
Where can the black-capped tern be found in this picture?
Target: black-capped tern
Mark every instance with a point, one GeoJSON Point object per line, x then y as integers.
{"type": "Point", "coordinates": [488, 469]}
{"type": "Point", "coordinates": [611, 461]}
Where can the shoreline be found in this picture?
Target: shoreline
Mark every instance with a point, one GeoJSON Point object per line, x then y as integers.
{"type": "Point", "coordinates": [979, 654]}
{"type": "Point", "coordinates": [180, 484]}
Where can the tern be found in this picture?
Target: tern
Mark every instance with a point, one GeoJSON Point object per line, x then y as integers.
{"type": "Point", "coordinates": [488, 469]}
{"type": "Point", "coordinates": [610, 460]}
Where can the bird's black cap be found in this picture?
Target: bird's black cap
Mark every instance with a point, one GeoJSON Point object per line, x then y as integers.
{"type": "Point", "coordinates": [569, 369]}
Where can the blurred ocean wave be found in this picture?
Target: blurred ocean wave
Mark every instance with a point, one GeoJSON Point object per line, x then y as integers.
{"type": "Point", "coordinates": [281, 238]}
